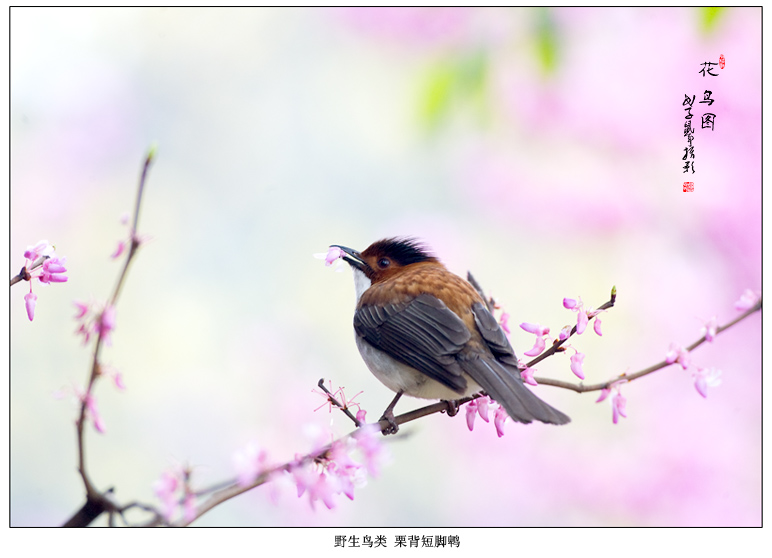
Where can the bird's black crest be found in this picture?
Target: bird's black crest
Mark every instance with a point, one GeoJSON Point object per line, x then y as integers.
{"type": "Point", "coordinates": [404, 251]}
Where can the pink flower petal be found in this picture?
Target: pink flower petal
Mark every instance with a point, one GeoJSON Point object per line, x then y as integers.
{"type": "Point", "coordinates": [538, 347]}
{"type": "Point", "coordinates": [30, 299]}
{"type": "Point", "coordinates": [576, 365]}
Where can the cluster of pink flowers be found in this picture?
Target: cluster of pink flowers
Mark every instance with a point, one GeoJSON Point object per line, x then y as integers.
{"type": "Point", "coordinates": [583, 316]}
{"type": "Point", "coordinates": [707, 377]}
{"type": "Point", "coordinates": [334, 472]}
{"type": "Point", "coordinates": [479, 407]}
{"type": "Point", "coordinates": [173, 487]}
{"type": "Point", "coordinates": [250, 462]}
{"type": "Point", "coordinates": [338, 472]}
{"type": "Point", "coordinates": [42, 264]}
{"type": "Point", "coordinates": [541, 332]}
{"type": "Point", "coordinates": [703, 377]}
{"type": "Point", "coordinates": [93, 412]}
{"type": "Point", "coordinates": [88, 399]}
{"type": "Point", "coordinates": [95, 320]}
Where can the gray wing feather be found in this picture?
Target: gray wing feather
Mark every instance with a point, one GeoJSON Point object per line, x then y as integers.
{"type": "Point", "coordinates": [500, 377]}
{"type": "Point", "coordinates": [423, 333]}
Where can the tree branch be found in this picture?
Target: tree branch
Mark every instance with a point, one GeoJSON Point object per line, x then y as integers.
{"type": "Point", "coordinates": [581, 388]}
{"type": "Point", "coordinates": [96, 502]}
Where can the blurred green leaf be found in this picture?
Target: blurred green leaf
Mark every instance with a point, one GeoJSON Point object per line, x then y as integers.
{"type": "Point", "coordinates": [547, 43]}
{"type": "Point", "coordinates": [453, 84]}
{"type": "Point", "coordinates": [437, 94]}
{"type": "Point", "coordinates": [709, 17]}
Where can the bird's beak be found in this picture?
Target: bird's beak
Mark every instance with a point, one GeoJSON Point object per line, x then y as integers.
{"type": "Point", "coordinates": [352, 257]}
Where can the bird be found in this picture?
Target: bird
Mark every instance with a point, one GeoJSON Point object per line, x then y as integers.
{"type": "Point", "coordinates": [425, 332]}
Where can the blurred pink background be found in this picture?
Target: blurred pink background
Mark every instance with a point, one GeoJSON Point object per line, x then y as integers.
{"type": "Point", "coordinates": [539, 148]}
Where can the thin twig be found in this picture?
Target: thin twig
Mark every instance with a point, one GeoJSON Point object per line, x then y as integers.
{"type": "Point", "coordinates": [93, 497]}
{"type": "Point", "coordinates": [339, 405]}
{"type": "Point", "coordinates": [24, 274]}
{"type": "Point", "coordinates": [556, 346]}
{"type": "Point", "coordinates": [581, 388]}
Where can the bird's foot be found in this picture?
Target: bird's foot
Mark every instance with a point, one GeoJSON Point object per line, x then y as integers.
{"type": "Point", "coordinates": [388, 415]}
{"type": "Point", "coordinates": [393, 427]}
{"type": "Point", "coordinates": [452, 407]}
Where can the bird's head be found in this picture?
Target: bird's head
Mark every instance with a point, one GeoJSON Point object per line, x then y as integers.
{"type": "Point", "coordinates": [384, 259]}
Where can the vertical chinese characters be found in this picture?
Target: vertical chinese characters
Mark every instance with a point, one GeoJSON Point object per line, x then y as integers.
{"type": "Point", "coordinates": [708, 119]}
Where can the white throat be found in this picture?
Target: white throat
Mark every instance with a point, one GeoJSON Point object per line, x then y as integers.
{"type": "Point", "coordinates": [361, 282]}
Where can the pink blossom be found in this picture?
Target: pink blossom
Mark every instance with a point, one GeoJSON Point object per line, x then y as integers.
{"type": "Point", "coordinates": [578, 307]}
{"type": "Point", "coordinates": [678, 354]}
{"type": "Point", "coordinates": [338, 394]}
{"type": "Point", "coordinates": [476, 407]}
{"type": "Point", "coordinates": [118, 379]}
{"type": "Point", "coordinates": [164, 489]}
{"type": "Point", "coordinates": [189, 506]}
{"type": "Point", "coordinates": [343, 469]}
{"type": "Point", "coordinates": [93, 412]}
{"type": "Point", "coordinates": [332, 255]}
{"type": "Point", "coordinates": [42, 248]}
{"type": "Point", "coordinates": [747, 300]}
{"type": "Point", "coordinates": [315, 485]}
{"type": "Point", "coordinates": [53, 271]}
{"type": "Point", "coordinates": [106, 323]}
{"type": "Point", "coordinates": [41, 264]}
{"type": "Point", "coordinates": [471, 414]}
{"type": "Point", "coordinates": [618, 403]}
{"type": "Point", "coordinates": [82, 309]}
{"type": "Point", "coordinates": [527, 375]}
{"type": "Point", "coordinates": [361, 416]}
{"type": "Point", "coordinates": [83, 316]}
{"type": "Point", "coordinates": [704, 378]}
{"type": "Point", "coordinates": [710, 329]}
{"type": "Point", "coordinates": [30, 299]}
{"type": "Point", "coordinates": [596, 327]}
{"type": "Point", "coordinates": [581, 321]}
{"type": "Point", "coordinates": [565, 333]}
{"type": "Point", "coordinates": [323, 490]}
{"type": "Point", "coordinates": [341, 481]}
{"type": "Point", "coordinates": [303, 477]}
{"type": "Point", "coordinates": [536, 329]}
{"type": "Point", "coordinates": [95, 322]}
{"type": "Point", "coordinates": [538, 347]}
{"type": "Point", "coordinates": [374, 452]}
{"type": "Point", "coordinates": [119, 249]}
{"type": "Point", "coordinates": [504, 322]}
{"type": "Point", "coordinates": [576, 365]}
{"type": "Point", "coordinates": [499, 418]}
{"type": "Point", "coordinates": [540, 332]}
{"type": "Point", "coordinates": [250, 463]}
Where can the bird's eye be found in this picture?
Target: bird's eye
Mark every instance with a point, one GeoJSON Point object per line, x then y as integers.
{"type": "Point", "coordinates": [383, 263]}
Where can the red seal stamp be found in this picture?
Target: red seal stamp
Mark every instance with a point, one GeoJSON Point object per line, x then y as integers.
{"type": "Point", "coordinates": [721, 61]}
{"type": "Point", "coordinates": [688, 186]}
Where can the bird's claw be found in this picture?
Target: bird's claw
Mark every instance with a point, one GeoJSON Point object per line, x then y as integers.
{"type": "Point", "coordinates": [393, 427]}
{"type": "Point", "coordinates": [452, 408]}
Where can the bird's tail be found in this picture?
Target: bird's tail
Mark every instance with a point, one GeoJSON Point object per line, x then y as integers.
{"type": "Point", "coordinates": [509, 390]}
